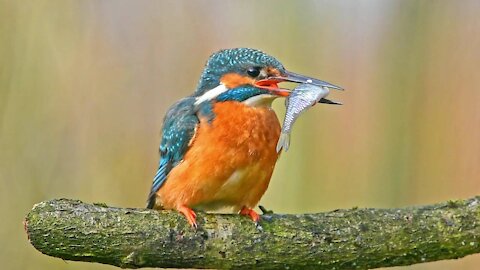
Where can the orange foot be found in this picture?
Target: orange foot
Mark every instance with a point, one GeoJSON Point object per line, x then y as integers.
{"type": "Point", "coordinates": [189, 215]}
{"type": "Point", "coordinates": [249, 212]}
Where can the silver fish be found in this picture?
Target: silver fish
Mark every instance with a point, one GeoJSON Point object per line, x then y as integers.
{"type": "Point", "coordinates": [302, 98]}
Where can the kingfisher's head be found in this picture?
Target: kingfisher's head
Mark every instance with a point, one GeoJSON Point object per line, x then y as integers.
{"type": "Point", "coordinates": [243, 73]}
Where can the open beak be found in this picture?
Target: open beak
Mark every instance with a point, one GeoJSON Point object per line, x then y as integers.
{"type": "Point", "coordinates": [271, 84]}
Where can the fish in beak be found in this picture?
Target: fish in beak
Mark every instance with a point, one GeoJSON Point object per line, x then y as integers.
{"type": "Point", "coordinates": [271, 84]}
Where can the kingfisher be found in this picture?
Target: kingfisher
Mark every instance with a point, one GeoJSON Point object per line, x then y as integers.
{"type": "Point", "coordinates": [218, 145]}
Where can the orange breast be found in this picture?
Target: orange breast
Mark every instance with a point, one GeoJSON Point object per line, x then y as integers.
{"type": "Point", "coordinates": [229, 163]}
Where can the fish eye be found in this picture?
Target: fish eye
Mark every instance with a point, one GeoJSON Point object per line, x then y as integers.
{"type": "Point", "coordinates": [253, 71]}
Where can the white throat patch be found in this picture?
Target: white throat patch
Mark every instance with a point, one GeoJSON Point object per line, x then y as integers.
{"type": "Point", "coordinates": [211, 94]}
{"type": "Point", "coordinates": [264, 100]}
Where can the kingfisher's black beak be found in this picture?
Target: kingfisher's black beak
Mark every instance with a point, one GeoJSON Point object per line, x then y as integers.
{"type": "Point", "coordinates": [297, 78]}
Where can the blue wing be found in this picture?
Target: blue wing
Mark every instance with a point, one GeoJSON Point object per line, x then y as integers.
{"type": "Point", "coordinates": [179, 128]}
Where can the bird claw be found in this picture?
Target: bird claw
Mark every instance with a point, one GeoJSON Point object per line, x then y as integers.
{"type": "Point", "coordinates": [265, 211]}
{"type": "Point", "coordinates": [190, 215]}
{"type": "Point", "coordinates": [251, 213]}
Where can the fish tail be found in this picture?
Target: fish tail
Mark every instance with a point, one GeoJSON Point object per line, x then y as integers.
{"type": "Point", "coordinates": [283, 142]}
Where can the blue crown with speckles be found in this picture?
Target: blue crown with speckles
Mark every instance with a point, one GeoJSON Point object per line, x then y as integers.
{"type": "Point", "coordinates": [232, 60]}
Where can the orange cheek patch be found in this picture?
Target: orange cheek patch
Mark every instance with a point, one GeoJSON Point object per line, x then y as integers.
{"type": "Point", "coordinates": [273, 72]}
{"type": "Point", "coordinates": [232, 80]}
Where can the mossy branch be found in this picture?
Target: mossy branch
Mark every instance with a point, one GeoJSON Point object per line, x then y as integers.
{"type": "Point", "coordinates": [341, 239]}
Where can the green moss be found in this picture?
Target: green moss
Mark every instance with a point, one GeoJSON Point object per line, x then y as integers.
{"type": "Point", "coordinates": [100, 204]}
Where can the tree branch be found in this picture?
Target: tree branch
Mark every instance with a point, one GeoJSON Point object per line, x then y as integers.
{"type": "Point", "coordinates": [341, 239]}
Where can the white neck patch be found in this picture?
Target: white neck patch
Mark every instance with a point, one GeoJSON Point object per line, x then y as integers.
{"type": "Point", "coordinates": [211, 94]}
{"type": "Point", "coordinates": [264, 100]}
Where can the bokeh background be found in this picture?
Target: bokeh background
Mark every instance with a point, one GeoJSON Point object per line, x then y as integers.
{"type": "Point", "coordinates": [84, 86]}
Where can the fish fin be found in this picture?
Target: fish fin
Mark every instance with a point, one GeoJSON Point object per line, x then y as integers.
{"type": "Point", "coordinates": [283, 142]}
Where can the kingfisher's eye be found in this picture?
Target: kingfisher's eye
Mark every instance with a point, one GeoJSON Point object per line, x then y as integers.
{"type": "Point", "coordinates": [253, 71]}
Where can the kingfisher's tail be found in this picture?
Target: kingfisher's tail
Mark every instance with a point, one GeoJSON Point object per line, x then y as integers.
{"type": "Point", "coordinates": [158, 181]}
{"type": "Point", "coordinates": [283, 142]}
{"type": "Point", "coordinates": [151, 200]}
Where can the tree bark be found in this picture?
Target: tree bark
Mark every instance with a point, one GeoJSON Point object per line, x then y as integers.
{"type": "Point", "coordinates": [341, 239]}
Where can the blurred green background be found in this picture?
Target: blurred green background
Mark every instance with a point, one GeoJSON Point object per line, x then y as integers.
{"type": "Point", "coordinates": [84, 86]}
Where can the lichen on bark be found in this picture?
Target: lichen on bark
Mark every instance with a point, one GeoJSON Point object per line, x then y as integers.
{"type": "Point", "coordinates": [341, 239]}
